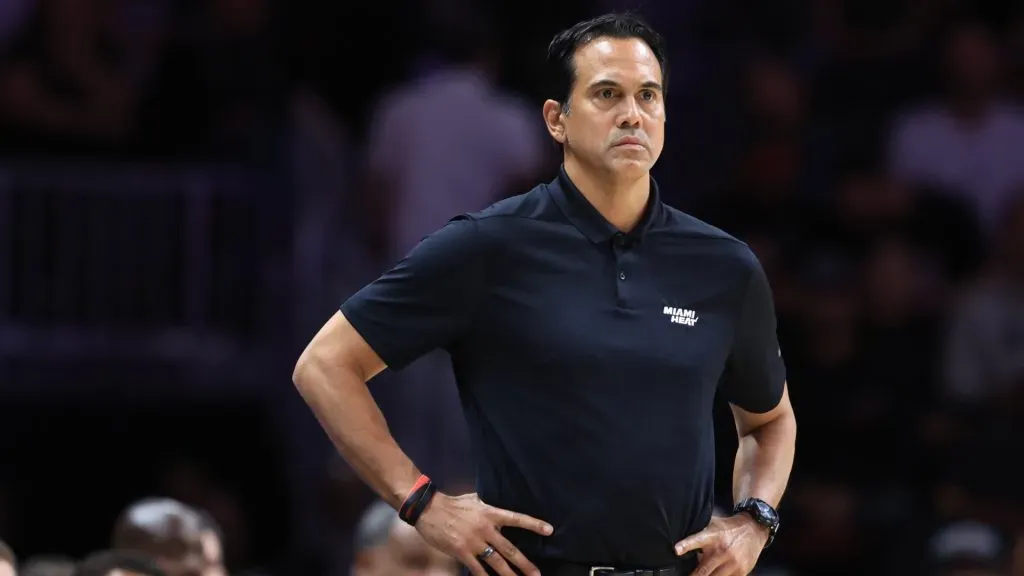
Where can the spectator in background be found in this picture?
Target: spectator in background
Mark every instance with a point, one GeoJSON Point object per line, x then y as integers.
{"type": "Point", "coordinates": [385, 546]}
{"type": "Point", "coordinates": [969, 549]}
{"type": "Point", "coordinates": [8, 561]}
{"type": "Point", "coordinates": [118, 563]}
{"type": "Point", "coordinates": [970, 143]}
{"type": "Point", "coordinates": [167, 531]}
{"type": "Point", "coordinates": [985, 358]}
{"type": "Point", "coordinates": [450, 141]}
{"type": "Point", "coordinates": [48, 566]}
{"type": "Point", "coordinates": [63, 89]}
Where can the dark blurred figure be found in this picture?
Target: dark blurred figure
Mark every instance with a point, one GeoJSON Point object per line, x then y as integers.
{"type": "Point", "coordinates": [984, 378]}
{"type": "Point", "coordinates": [969, 143]}
{"type": "Point", "coordinates": [220, 88]}
{"type": "Point", "coordinates": [766, 194]}
{"type": "Point", "coordinates": [48, 566]}
{"type": "Point", "coordinates": [985, 360]}
{"type": "Point", "coordinates": [64, 89]}
{"type": "Point", "coordinates": [118, 563]}
{"type": "Point", "coordinates": [167, 531]}
{"type": "Point", "coordinates": [869, 204]}
{"type": "Point", "coordinates": [969, 549]}
{"type": "Point", "coordinates": [8, 561]}
{"type": "Point", "coordinates": [386, 546]}
{"type": "Point", "coordinates": [451, 139]}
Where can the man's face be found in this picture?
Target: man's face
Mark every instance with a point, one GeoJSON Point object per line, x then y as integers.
{"type": "Point", "coordinates": [405, 554]}
{"type": "Point", "coordinates": [616, 117]}
{"type": "Point", "coordinates": [6, 569]}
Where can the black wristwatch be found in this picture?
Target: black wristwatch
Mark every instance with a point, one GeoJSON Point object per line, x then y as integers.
{"type": "Point", "coordinates": [762, 513]}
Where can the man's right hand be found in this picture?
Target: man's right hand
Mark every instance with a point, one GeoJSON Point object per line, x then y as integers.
{"type": "Point", "coordinates": [464, 527]}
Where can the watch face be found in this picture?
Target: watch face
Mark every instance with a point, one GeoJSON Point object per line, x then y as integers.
{"type": "Point", "coordinates": [765, 512]}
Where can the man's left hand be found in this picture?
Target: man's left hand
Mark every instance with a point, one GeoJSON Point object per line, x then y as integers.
{"type": "Point", "coordinates": [729, 546]}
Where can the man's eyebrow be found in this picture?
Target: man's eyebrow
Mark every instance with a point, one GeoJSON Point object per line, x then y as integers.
{"type": "Point", "coordinates": [609, 83]}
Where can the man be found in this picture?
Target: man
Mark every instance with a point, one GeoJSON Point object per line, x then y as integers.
{"type": "Point", "coordinates": [8, 561]}
{"type": "Point", "coordinates": [590, 327]}
{"type": "Point", "coordinates": [384, 546]}
{"type": "Point", "coordinates": [117, 563]}
{"type": "Point", "coordinates": [167, 531]}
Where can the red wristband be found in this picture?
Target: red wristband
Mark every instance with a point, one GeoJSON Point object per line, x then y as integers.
{"type": "Point", "coordinates": [416, 502]}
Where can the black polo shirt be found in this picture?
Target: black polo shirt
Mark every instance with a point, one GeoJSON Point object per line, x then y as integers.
{"type": "Point", "coordinates": [587, 361]}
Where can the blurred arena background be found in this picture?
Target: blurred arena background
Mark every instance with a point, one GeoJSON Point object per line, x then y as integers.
{"type": "Point", "coordinates": [189, 188]}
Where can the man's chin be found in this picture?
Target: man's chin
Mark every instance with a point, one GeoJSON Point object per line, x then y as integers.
{"type": "Point", "coordinates": [629, 167]}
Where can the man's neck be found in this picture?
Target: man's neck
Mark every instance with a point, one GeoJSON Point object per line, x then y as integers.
{"type": "Point", "coordinates": [621, 203]}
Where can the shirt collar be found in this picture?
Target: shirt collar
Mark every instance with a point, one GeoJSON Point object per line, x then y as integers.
{"type": "Point", "coordinates": [588, 220]}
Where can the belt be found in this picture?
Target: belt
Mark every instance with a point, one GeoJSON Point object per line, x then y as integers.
{"type": "Point", "coordinates": [684, 568]}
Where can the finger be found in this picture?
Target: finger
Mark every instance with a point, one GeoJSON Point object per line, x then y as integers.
{"type": "Point", "coordinates": [710, 565]}
{"type": "Point", "coordinates": [515, 519]}
{"type": "Point", "coordinates": [696, 541]}
{"type": "Point", "coordinates": [474, 566]}
{"type": "Point", "coordinates": [512, 554]}
{"type": "Point", "coordinates": [500, 565]}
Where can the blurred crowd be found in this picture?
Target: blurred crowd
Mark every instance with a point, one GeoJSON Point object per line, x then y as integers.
{"type": "Point", "coordinates": [872, 153]}
{"type": "Point", "coordinates": [164, 537]}
{"type": "Point", "coordinates": [116, 79]}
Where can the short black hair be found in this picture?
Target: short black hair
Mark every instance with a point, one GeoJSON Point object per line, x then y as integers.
{"type": "Point", "coordinates": [104, 562]}
{"type": "Point", "coordinates": [561, 65]}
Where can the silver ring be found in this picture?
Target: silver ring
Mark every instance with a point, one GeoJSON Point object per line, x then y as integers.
{"type": "Point", "coordinates": [487, 553]}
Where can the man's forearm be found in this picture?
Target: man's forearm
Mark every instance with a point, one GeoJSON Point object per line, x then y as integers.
{"type": "Point", "coordinates": [764, 461]}
{"type": "Point", "coordinates": [342, 403]}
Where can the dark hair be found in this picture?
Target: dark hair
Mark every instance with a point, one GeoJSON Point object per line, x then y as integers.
{"type": "Point", "coordinates": [7, 554]}
{"type": "Point", "coordinates": [105, 562]}
{"type": "Point", "coordinates": [561, 65]}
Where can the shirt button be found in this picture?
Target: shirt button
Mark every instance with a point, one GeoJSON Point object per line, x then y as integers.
{"type": "Point", "coordinates": [622, 275]}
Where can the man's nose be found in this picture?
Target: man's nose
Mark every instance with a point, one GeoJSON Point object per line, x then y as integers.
{"type": "Point", "coordinates": [630, 114]}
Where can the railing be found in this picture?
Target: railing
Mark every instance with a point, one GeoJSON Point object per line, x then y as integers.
{"type": "Point", "coordinates": [126, 261]}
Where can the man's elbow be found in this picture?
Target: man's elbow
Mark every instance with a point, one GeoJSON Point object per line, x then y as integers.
{"type": "Point", "coordinates": [311, 366]}
{"type": "Point", "coordinates": [303, 367]}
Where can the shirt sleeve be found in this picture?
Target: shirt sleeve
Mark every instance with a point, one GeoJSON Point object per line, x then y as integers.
{"type": "Point", "coordinates": [755, 373]}
{"type": "Point", "coordinates": [426, 301]}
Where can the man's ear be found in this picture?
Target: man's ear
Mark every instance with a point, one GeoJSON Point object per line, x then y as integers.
{"type": "Point", "coordinates": [554, 119]}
